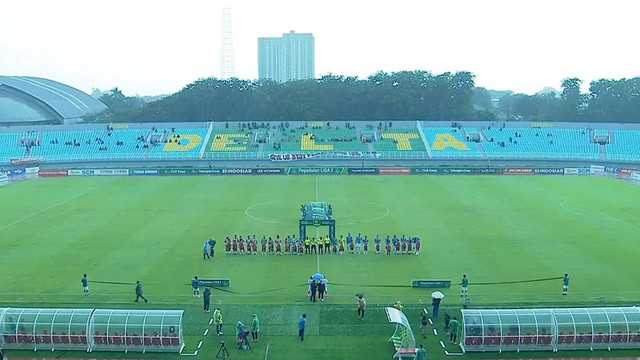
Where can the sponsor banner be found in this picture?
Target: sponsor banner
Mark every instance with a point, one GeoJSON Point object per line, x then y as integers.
{"type": "Point", "coordinates": [270, 171]}
{"type": "Point", "coordinates": [52, 172]}
{"type": "Point", "coordinates": [549, 171]}
{"type": "Point", "coordinates": [315, 170]}
{"type": "Point", "coordinates": [175, 171]}
{"type": "Point", "coordinates": [571, 171]}
{"type": "Point", "coordinates": [16, 172]}
{"type": "Point", "coordinates": [214, 282]}
{"type": "Point", "coordinates": [457, 171]}
{"type": "Point", "coordinates": [32, 170]}
{"type": "Point", "coordinates": [518, 171]}
{"type": "Point", "coordinates": [394, 171]}
{"type": "Point", "coordinates": [99, 172]}
{"type": "Point", "coordinates": [362, 171]}
{"type": "Point", "coordinates": [25, 161]}
{"type": "Point", "coordinates": [140, 172]}
{"type": "Point", "coordinates": [430, 283]}
{"type": "Point", "coordinates": [597, 169]}
{"type": "Point", "coordinates": [292, 156]}
{"type": "Point", "coordinates": [206, 171]}
{"type": "Point", "coordinates": [625, 173]}
{"type": "Point", "coordinates": [4, 179]}
{"type": "Point", "coordinates": [487, 170]}
{"type": "Point", "coordinates": [611, 169]}
{"type": "Point", "coordinates": [421, 170]}
{"type": "Point", "coordinates": [238, 171]}
{"type": "Point", "coordinates": [635, 176]}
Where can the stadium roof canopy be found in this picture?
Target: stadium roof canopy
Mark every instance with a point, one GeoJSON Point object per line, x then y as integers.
{"type": "Point", "coordinates": [28, 100]}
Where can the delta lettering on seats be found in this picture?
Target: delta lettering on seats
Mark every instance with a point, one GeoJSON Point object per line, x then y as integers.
{"type": "Point", "coordinates": [184, 143]}
{"type": "Point", "coordinates": [444, 141]}
{"type": "Point", "coordinates": [307, 143]}
{"type": "Point", "coordinates": [229, 142]}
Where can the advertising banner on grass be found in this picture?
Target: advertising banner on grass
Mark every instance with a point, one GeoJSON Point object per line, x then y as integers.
{"type": "Point", "coordinates": [635, 176]}
{"type": "Point", "coordinates": [315, 170]}
{"type": "Point", "coordinates": [577, 171]}
{"type": "Point", "coordinates": [270, 171]}
{"type": "Point", "coordinates": [625, 173]}
{"type": "Point", "coordinates": [32, 170]}
{"type": "Point", "coordinates": [142, 172]}
{"type": "Point", "coordinates": [52, 172]}
{"type": "Point", "coordinates": [99, 172]}
{"type": "Point", "coordinates": [549, 171]}
{"type": "Point", "coordinates": [4, 179]}
{"type": "Point", "coordinates": [362, 171]}
{"type": "Point", "coordinates": [597, 169]}
{"type": "Point", "coordinates": [16, 172]}
{"type": "Point", "coordinates": [422, 170]}
{"type": "Point", "coordinates": [518, 171]}
{"type": "Point", "coordinates": [175, 171]}
{"type": "Point", "coordinates": [496, 171]}
{"type": "Point", "coordinates": [611, 169]}
{"type": "Point", "coordinates": [394, 171]}
{"type": "Point", "coordinates": [461, 171]}
{"type": "Point", "coordinates": [238, 171]}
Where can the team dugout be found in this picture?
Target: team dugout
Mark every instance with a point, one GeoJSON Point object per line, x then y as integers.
{"type": "Point", "coordinates": [551, 329]}
{"type": "Point", "coordinates": [91, 329]}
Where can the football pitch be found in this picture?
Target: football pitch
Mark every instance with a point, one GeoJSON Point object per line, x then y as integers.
{"type": "Point", "coordinates": [503, 232]}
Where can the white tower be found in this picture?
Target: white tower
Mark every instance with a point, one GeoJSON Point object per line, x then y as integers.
{"type": "Point", "coordinates": [227, 61]}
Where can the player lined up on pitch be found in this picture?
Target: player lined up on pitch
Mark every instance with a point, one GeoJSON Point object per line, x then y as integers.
{"type": "Point", "coordinates": [291, 245]}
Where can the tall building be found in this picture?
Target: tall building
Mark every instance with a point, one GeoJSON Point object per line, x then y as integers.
{"type": "Point", "coordinates": [290, 57]}
{"type": "Point", "coordinates": [227, 61]}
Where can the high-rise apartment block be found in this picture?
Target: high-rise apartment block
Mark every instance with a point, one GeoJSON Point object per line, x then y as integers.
{"type": "Point", "coordinates": [290, 57]}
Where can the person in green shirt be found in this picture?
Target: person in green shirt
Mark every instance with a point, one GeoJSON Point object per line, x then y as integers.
{"type": "Point", "coordinates": [453, 329]}
{"type": "Point", "coordinates": [255, 327]}
{"type": "Point", "coordinates": [422, 353]}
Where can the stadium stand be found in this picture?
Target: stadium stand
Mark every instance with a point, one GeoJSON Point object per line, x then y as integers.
{"type": "Point", "coordinates": [539, 143]}
{"type": "Point", "coordinates": [178, 143]}
{"type": "Point", "coordinates": [403, 139]}
{"type": "Point", "coordinates": [448, 142]}
{"type": "Point", "coordinates": [9, 147]}
{"type": "Point", "coordinates": [91, 144]}
{"type": "Point", "coordinates": [625, 145]}
{"type": "Point", "coordinates": [231, 140]}
{"type": "Point", "coordinates": [318, 139]}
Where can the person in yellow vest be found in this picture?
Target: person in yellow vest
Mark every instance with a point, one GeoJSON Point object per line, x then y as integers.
{"type": "Point", "coordinates": [398, 305]}
{"type": "Point", "coordinates": [307, 245]}
{"type": "Point", "coordinates": [327, 245]}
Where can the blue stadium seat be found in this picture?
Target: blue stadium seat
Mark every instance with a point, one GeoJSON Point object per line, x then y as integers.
{"type": "Point", "coordinates": [9, 147]}
{"type": "Point", "coordinates": [545, 143]}
{"type": "Point", "coordinates": [625, 146]}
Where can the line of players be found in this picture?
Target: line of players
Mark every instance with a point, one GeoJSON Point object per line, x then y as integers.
{"type": "Point", "coordinates": [292, 246]}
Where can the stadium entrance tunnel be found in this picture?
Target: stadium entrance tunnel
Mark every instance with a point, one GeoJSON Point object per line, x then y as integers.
{"type": "Point", "coordinates": [551, 329]}
{"type": "Point", "coordinates": [91, 329]}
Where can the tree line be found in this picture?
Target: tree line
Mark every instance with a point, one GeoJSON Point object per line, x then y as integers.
{"type": "Point", "coordinates": [404, 95]}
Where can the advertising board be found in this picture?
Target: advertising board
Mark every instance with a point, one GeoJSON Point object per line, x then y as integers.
{"type": "Point", "coordinates": [143, 172]}
{"type": "Point", "coordinates": [518, 171]}
{"type": "Point", "coordinates": [52, 172]}
{"type": "Point", "coordinates": [394, 171]}
{"type": "Point", "coordinates": [315, 170]}
{"type": "Point", "coordinates": [548, 171]}
{"type": "Point", "coordinates": [362, 171]}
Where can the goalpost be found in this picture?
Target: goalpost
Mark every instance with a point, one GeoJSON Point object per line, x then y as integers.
{"type": "Point", "coordinates": [402, 339]}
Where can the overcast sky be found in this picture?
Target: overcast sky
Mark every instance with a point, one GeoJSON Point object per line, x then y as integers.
{"type": "Point", "coordinates": [157, 47]}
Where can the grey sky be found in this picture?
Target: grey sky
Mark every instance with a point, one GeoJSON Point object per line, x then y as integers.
{"type": "Point", "coordinates": [153, 47]}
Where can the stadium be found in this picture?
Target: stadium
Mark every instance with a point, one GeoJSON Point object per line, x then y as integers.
{"type": "Point", "coordinates": [514, 206]}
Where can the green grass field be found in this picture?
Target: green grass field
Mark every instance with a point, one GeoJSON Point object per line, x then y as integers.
{"type": "Point", "coordinates": [492, 228]}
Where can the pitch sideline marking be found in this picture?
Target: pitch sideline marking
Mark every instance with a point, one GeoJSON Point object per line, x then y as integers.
{"type": "Point", "coordinates": [604, 217]}
{"type": "Point", "coordinates": [44, 210]}
{"type": "Point", "coordinates": [317, 233]}
{"type": "Point", "coordinates": [266, 353]}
